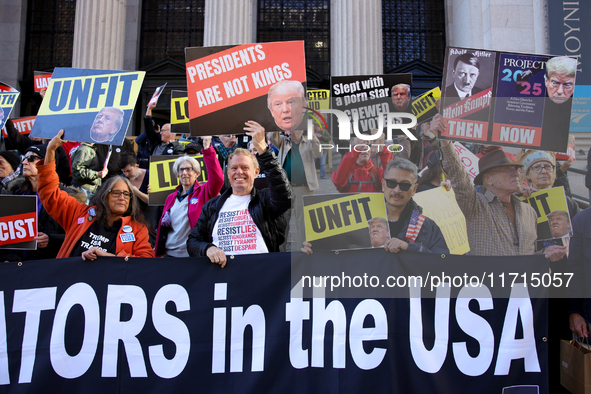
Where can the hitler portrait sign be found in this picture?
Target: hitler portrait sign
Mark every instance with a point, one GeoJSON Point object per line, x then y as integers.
{"type": "Point", "coordinates": [90, 105]}
{"type": "Point", "coordinates": [228, 85]}
{"type": "Point", "coordinates": [508, 99]}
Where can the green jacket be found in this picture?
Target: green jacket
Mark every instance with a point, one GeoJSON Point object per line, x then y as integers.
{"type": "Point", "coordinates": [85, 168]}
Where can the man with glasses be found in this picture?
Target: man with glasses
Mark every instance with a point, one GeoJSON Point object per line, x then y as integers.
{"type": "Point", "coordinates": [409, 229]}
{"type": "Point", "coordinates": [162, 140]}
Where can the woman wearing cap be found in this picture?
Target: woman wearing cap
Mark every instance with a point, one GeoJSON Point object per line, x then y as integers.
{"type": "Point", "coordinates": [183, 206]}
{"type": "Point", "coordinates": [50, 235]}
{"type": "Point", "coordinates": [10, 172]}
{"type": "Point", "coordinates": [540, 173]}
{"type": "Point", "coordinates": [111, 226]}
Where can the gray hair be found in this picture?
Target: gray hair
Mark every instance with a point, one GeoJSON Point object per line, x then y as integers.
{"type": "Point", "coordinates": [286, 87]}
{"type": "Point", "coordinates": [194, 163]}
{"type": "Point", "coordinates": [405, 165]}
{"type": "Point", "coordinates": [401, 86]}
{"type": "Point", "coordinates": [561, 65]}
{"type": "Point", "coordinates": [101, 200]}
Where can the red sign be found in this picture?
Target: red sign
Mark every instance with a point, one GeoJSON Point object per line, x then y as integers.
{"type": "Point", "coordinates": [41, 80]}
{"type": "Point", "coordinates": [23, 125]}
{"type": "Point", "coordinates": [240, 73]}
{"type": "Point", "coordinates": [18, 228]}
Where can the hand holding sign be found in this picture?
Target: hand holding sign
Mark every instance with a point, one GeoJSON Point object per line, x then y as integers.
{"type": "Point", "coordinates": [55, 143]}
{"type": "Point", "coordinates": [206, 142]}
{"type": "Point", "coordinates": [92, 254]}
{"type": "Point", "coordinates": [216, 255]}
{"type": "Point", "coordinates": [395, 245]}
{"type": "Point", "coordinates": [257, 132]}
{"type": "Point", "coordinates": [42, 240]}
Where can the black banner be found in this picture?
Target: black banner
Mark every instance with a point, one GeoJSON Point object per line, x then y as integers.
{"type": "Point", "coordinates": [186, 325]}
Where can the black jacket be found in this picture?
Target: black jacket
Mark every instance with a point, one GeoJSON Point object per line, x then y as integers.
{"type": "Point", "coordinates": [266, 207]}
{"type": "Point", "coordinates": [172, 148]}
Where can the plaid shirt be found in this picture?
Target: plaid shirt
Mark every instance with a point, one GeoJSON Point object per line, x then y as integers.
{"type": "Point", "coordinates": [490, 231]}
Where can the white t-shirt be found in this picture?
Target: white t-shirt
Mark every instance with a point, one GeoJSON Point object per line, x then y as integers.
{"type": "Point", "coordinates": [235, 232]}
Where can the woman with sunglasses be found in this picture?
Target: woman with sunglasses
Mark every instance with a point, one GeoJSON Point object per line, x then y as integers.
{"type": "Point", "coordinates": [111, 226]}
{"type": "Point", "coordinates": [183, 206]}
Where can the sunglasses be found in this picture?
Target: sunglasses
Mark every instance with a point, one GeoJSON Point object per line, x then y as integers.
{"type": "Point", "coordinates": [31, 159]}
{"type": "Point", "coordinates": [404, 186]}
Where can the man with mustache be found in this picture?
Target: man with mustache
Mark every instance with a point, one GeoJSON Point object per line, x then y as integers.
{"type": "Point", "coordinates": [465, 73]}
{"type": "Point", "coordinates": [409, 229]}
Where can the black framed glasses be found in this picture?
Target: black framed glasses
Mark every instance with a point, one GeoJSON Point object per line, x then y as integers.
{"type": "Point", "coordinates": [188, 170]}
{"type": "Point", "coordinates": [539, 167]}
{"type": "Point", "coordinates": [118, 193]}
{"type": "Point", "coordinates": [404, 186]}
{"type": "Point", "coordinates": [31, 159]}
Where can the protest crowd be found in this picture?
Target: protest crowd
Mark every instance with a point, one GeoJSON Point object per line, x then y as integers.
{"type": "Point", "coordinates": [94, 198]}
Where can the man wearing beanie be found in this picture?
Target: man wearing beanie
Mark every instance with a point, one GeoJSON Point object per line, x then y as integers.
{"type": "Point", "coordinates": [10, 173]}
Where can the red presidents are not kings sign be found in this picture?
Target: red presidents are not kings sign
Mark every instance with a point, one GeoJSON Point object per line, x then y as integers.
{"type": "Point", "coordinates": [240, 73]}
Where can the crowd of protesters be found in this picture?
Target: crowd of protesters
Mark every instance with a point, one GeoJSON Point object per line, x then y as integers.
{"type": "Point", "coordinates": [90, 209]}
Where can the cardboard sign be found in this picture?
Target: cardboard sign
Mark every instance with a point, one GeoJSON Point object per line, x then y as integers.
{"type": "Point", "coordinates": [508, 99]}
{"type": "Point", "coordinates": [341, 221]}
{"type": "Point", "coordinates": [469, 160]}
{"type": "Point", "coordinates": [551, 202]}
{"type": "Point", "coordinates": [318, 99]}
{"type": "Point", "coordinates": [179, 112]}
{"type": "Point", "coordinates": [18, 222]}
{"type": "Point", "coordinates": [8, 97]}
{"type": "Point", "coordinates": [570, 153]}
{"type": "Point", "coordinates": [162, 178]}
{"type": "Point", "coordinates": [426, 105]}
{"type": "Point", "coordinates": [90, 105]}
{"type": "Point", "coordinates": [42, 79]}
{"type": "Point", "coordinates": [368, 96]}
{"type": "Point", "coordinates": [156, 95]}
{"type": "Point", "coordinates": [23, 125]}
{"type": "Point", "coordinates": [440, 205]}
{"type": "Point", "coordinates": [228, 85]}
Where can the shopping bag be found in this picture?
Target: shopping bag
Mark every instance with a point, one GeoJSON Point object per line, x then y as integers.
{"type": "Point", "coordinates": [575, 367]}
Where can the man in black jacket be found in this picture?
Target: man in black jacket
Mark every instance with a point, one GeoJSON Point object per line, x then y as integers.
{"type": "Point", "coordinates": [243, 220]}
{"type": "Point", "coordinates": [163, 141]}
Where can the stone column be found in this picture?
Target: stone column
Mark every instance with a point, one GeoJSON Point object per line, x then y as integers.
{"type": "Point", "coordinates": [99, 34]}
{"type": "Point", "coordinates": [503, 25]}
{"type": "Point", "coordinates": [356, 37]}
{"type": "Point", "coordinates": [229, 22]}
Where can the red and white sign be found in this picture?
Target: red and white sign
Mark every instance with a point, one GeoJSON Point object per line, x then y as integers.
{"type": "Point", "coordinates": [23, 125]}
{"type": "Point", "coordinates": [469, 160]}
{"type": "Point", "coordinates": [42, 80]}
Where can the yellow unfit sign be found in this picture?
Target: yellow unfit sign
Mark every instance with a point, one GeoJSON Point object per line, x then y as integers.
{"type": "Point", "coordinates": [343, 214]}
